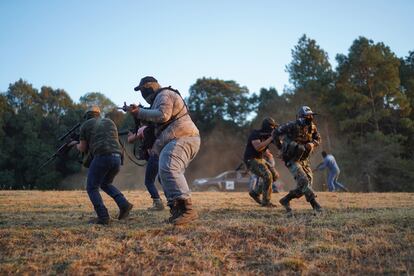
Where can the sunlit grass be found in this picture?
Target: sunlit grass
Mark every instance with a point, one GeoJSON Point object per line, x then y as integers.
{"type": "Point", "coordinates": [47, 233]}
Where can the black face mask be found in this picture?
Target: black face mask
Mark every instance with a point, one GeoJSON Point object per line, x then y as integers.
{"type": "Point", "coordinates": [267, 127]}
{"type": "Point", "coordinates": [147, 94]}
{"type": "Point", "coordinates": [306, 121]}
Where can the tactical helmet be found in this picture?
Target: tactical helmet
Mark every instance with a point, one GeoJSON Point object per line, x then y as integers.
{"type": "Point", "coordinates": [304, 111]}
{"type": "Point", "coordinates": [268, 124]}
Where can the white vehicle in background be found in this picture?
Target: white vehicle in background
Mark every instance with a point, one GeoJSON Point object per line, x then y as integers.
{"type": "Point", "coordinates": [228, 181]}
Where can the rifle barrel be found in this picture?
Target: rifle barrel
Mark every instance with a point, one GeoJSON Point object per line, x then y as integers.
{"type": "Point", "coordinates": [69, 132]}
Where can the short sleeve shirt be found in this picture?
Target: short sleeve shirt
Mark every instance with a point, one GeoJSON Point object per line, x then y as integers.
{"type": "Point", "coordinates": [101, 136]}
{"type": "Point", "coordinates": [250, 152]}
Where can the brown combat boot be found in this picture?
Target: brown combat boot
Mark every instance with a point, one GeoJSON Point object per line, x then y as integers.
{"type": "Point", "coordinates": [175, 211]}
{"type": "Point", "coordinates": [124, 211]}
{"type": "Point", "coordinates": [186, 214]}
{"type": "Point", "coordinates": [157, 205]}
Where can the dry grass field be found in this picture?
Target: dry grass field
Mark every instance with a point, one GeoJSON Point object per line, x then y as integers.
{"type": "Point", "coordinates": [47, 233]}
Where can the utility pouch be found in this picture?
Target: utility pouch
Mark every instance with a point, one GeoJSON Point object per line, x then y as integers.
{"type": "Point", "coordinates": [294, 152]}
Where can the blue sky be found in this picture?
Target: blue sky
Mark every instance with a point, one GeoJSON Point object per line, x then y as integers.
{"type": "Point", "coordinates": [107, 46]}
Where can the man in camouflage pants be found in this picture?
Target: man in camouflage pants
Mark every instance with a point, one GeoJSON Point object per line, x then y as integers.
{"type": "Point", "coordinates": [256, 148]}
{"type": "Point", "coordinates": [255, 184]}
{"type": "Point", "coordinates": [296, 140]}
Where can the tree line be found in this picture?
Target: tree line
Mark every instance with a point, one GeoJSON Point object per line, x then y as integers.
{"type": "Point", "coordinates": [365, 106]}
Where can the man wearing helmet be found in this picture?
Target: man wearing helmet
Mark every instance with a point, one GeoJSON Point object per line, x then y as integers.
{"type": "Point", "coordinates": [177, 143]}
{"type": "Point", "coordinates": [99, 139]}
{"type": "Point", "coordinates": [254, 157]}
{"type": "Point", "coordinates": [296, 140]}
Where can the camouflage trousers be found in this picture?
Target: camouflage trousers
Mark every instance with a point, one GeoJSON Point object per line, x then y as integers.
{"type": "Point", "coordinates": [268, 173]}
{"type": "Point", "coordinates": [302, 173]}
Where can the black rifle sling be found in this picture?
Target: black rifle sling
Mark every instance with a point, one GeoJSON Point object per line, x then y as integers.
{"type": "Point", "coordinates": [174, 117]}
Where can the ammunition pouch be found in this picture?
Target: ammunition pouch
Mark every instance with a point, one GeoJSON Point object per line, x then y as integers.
{"type": "Point", "coordinates": [294, 152]}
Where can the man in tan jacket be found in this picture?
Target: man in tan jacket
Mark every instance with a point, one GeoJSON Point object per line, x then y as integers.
{"type": "Point", "coordinates": [177, 143]}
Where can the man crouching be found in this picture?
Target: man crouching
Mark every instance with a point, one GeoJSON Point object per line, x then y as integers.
{"type": "Point", "coordinates": [99, 139]}
{"type": "Point", "coordinates": [177, 143]}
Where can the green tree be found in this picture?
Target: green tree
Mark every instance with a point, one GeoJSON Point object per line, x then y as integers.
{"type": "Point", "coordinates": [6, 171]}
{"type": "Point", "coordinates": [213, 100]}
{"type": "Point", "coordinates": [54, 101]}
{"type": "Point", "coordinates": [407, 87]}
{"type": "Point", "coordinates": [270, 103]}
{"type": "Point", "coordinates": [31, 122]}
{"type": "Point", "coordinates": [21, 95]}
{"type": "Point", "coordinates": [99, 99]}
{"type": "Point", "coordinates": [312, 77]}
{"type": "Point", "coordinates": [368, 88]}
{"type": "Point", "coordinates": [309, 65]}
{"type": "Point", "coordinates": [372, 111]}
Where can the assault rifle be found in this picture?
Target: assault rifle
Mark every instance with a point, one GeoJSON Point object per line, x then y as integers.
{"type": "Point", "coordinates": [63, 149]}
{"type": "Point", "coordinates": [127, 108]}
{"type": "Point", "coordinates": [141, 146]}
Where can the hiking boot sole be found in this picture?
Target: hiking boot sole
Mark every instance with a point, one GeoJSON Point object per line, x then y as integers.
{"type": "Point", "coordinates": [185, 219]}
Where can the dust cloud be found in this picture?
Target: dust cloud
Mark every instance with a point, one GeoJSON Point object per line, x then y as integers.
{"type": "Point", "coordinates": [220, 150]}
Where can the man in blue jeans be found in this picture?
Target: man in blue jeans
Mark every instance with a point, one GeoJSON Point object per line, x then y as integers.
{"type": "Point", "coordinates": [151, 172]}
{"type": "Point", "coordinates": [333, 172]}
{"type": "Point", "coordinates": [99, 138]}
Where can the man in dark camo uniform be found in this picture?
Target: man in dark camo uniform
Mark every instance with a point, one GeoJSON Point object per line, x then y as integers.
{"type": "Point", "coordinates": [297, 139]}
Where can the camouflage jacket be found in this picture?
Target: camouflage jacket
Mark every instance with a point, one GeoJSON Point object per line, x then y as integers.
{"type": "Point", "coordinates": [296, 131]}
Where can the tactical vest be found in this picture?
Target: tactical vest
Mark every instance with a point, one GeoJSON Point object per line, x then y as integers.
{"type": "Point", "coordinates": [150, 132]}
{"type": "Point", "coordinates": [296, 138]}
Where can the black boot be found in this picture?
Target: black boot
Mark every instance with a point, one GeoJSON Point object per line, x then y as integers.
{"type": "Point", "coordinates": [315, 205]}
{"type": "Point", "coordinates": [285, 201]}
{"type": "Point", "coordinates": [187, 213]}
{"type": "Point", "coordinates": [255, 197]}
